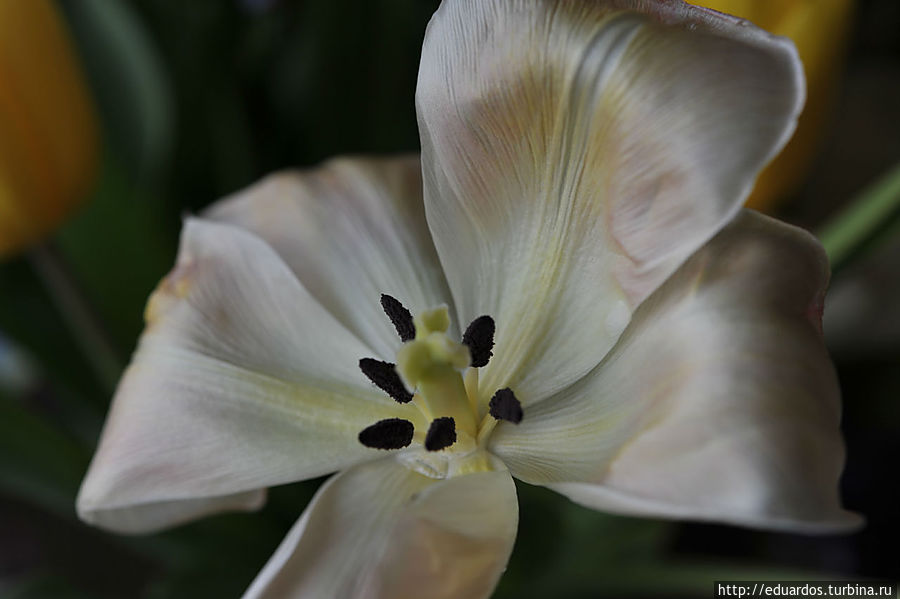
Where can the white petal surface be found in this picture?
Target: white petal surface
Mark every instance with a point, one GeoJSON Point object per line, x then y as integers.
{"type": "Point", "coordinates": [351, 230]}
{"type": "Point", "coordinates": [381, 531]}
{"type": "Point", "coordinates": [157, 515]}
{"type": "Point", "coordinates": [718, 403]}
{"type": "Point", "coordinates": [241, 380]}
{"type": "Point", "coordinates": [575, 154]}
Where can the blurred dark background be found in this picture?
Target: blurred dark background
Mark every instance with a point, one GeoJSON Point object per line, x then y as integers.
{"type": "Point", "coordinates": [200, 98]}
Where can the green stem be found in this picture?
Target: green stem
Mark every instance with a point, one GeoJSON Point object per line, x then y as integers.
{"type": "Point", "coordinates": [869, 215]}
{"type": "Point", "coordinates": [83, 323]}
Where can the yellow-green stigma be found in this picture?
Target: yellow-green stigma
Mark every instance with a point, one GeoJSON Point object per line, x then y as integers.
{"type": "Point", "coordinates": [433, 365]}
{"type": "Point", "coordinates": [443, 377]}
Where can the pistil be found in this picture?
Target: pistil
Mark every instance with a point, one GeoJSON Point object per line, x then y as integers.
{"type": "Point", "coordinates": [432, 363]}
{"type": "Point", "coordinates": [440, 377]}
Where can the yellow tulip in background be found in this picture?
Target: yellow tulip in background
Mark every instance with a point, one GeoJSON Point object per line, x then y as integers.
{"type": "Point", "coordinates": [819, 28]}
{"type": "Point", "coordinates": [48, 133]}
{"type": "Point", "coordinates": [48, 136]}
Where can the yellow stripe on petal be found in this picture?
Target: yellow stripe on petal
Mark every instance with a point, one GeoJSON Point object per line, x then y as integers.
{"type": "Point", "coordinates": [574, 155]}
{"type": "Point", "coordinates": [48, 133]}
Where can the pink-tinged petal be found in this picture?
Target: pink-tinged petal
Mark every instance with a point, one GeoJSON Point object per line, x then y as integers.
{"type": "Point", "coordinates": [381, 531]}
{"type": "Point", "coordinates": [240, 381]}
{"type": "Point", "coordinates": [718, 403]}
{"type": "Point", "coordinates": [576, 153]}
{"type": "Point", "coordinates": [350, 229]}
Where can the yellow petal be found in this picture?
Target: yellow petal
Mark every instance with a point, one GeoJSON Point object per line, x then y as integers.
{"type": "Point", "coordinates": [819, 28]}
{"type": "Point", "coordinates": [48, 137]}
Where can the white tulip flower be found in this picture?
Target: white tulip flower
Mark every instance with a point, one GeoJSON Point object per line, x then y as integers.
{"type": "Point", "coordinates": [564, 290]}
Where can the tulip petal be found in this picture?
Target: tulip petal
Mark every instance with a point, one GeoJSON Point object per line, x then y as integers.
{"type": "Point", "coordinates": [575, 154]}
{"type": "Point", "coordinates": [350, 230]}
{"type": "Point", "coordinates": [381, 531]}
{"type": "Point", "coordinates": [718, 403]}
{"type": "Point", "coordinates": [241, 380]}
{"type": "Point", "coordinates": [157, 515]}
{"type": "Point", "coordinates": [821, 31]}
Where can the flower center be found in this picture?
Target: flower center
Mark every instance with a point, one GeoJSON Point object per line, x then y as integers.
{"type": "Point", "coordinates": [443, 377]}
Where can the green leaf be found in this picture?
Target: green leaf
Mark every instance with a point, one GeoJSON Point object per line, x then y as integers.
{"type": "Point", "coordinates": [28, 316]}
{"type": "Point", "coordinates": [131, 86]}
{"type": "Point", "coordinates": [40, 586]}
{"type": "Point", "coordinates": [39, 463]}
{"type": "Point", "coordinates": [118, 248]}
{"type": "Point", "coordinates": [562, 545]}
